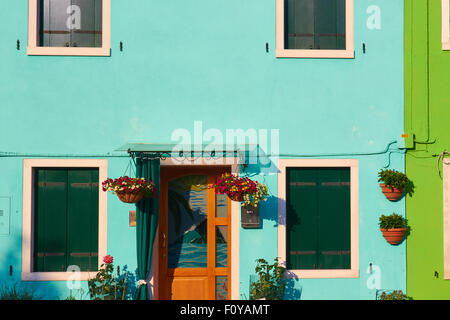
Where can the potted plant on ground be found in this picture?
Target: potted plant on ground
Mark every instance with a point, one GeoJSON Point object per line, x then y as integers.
{"type": "Point", "coordinates": [394, 295]}
{"type": "Point", "coordinates": [394, 183]}
{"type": "Point", "coordinates": [130, 190]}
{"type": "Point", "coordinates": [393, 228]}
{"type": "Point", "coordinates": [108, 285]}
{"type": "Point", "coordinates": [270, 281]}
{"type": "Point", "coordinates": [244, 190]}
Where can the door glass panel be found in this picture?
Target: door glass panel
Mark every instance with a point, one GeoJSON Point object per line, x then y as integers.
{"type": "Point", "coordinates": [221, 205]}
{"type": "Point", "coordinates": [221, 288]}
{"type": "Point", "coordinates": [221, 246]}
{"type": "Point", "coordinates": [187, 228]}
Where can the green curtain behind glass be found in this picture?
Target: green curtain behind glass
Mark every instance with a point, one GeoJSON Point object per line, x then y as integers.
{"type": "Point", "coordinates": [147, 214]}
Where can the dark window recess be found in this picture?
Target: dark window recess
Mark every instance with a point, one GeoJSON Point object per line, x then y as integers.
{"type": "Point", "coordinates": [318, 218]}
{"type": "Point", "coordinates": [66, 219]}
{"type": "Point", "coordinates": [70, 23]}
{"type": "Point", "coordinates": [315, 24]}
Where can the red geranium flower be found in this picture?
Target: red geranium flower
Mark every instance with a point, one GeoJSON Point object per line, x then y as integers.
{"type": "Point", "coordinates": [108, 259]}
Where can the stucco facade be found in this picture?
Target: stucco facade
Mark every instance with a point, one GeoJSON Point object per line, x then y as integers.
{"type": "Point", "coordinates": [214, 62]}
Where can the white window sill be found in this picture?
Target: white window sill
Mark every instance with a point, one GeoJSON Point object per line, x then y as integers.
{"type": "Point", "coordinates": [322, 274]}
{"type": "Point", "coordinates": [446, 46]}
{"type": "Point", "coordinates": [57, 276]}
{"type": "Point", "coordinates": [298, 53]}
{"type": "Point", "coordinates": [65, 51]}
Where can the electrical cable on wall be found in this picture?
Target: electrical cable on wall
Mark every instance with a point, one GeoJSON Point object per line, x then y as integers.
{"type": "Point", "coordinates": [441, 157]}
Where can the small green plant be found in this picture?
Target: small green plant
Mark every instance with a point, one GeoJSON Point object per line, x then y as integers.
{"type": "Point", "coordinates": [108, 285]}
{"type": "Point", "coordinates": [271, 282]}
{"type": "Point", "coordinates": [395, 179]}
{"type": "Point", "coordinates": [15, 293]}
{"type": "Point", "coordinates": [394, 295]}
{"type": "Point", "coordinates": [73, 296]}
{"type": "Point", "coordinates": [393, 221]}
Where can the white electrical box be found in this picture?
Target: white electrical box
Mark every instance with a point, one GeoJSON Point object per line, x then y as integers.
{"type": "Point", "coordinates": [5, 212]}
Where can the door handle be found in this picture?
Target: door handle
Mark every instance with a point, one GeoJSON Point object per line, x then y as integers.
{"type": "Point", "coordinates": [163, 245]}
{"type": "Point", "coordinates": [163, 240]}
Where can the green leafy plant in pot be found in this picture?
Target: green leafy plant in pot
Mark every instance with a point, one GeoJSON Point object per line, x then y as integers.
{"type": "Point", "coordinates": [108, 285]}
{"type": "Point", "coordinates": [270, 283]}
{"type": "Point", "coordinates": [394, 183]}
{"type": "Point", "coordinates": [394, 295]}
{"type": "Point", "coordinates": [393, 228]}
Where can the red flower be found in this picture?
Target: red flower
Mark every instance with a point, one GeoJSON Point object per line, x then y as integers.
{"type": "Point", "coordinates": [108, 259]}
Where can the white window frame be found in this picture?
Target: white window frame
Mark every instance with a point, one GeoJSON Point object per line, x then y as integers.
{"type": "Point", "coordinates": [283, 164]}
{"type": "Point", "coordinates": [28, 212]}
{"type": "Point", "coordinates": [446, 196]}
{"type": "Point", "coordinates": [445, 25]}
{"type": "Point", "coordinates": [34, 49]}
{"type": "Point", "coordinates": [281, 52]}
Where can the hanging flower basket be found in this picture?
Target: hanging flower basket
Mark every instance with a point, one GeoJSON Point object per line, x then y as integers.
{"type": "Point", "coordinates": [244, 190]}
{"type": "Point", "coordinates": [130, 197]}
{"type": "Point", "coordinates": [130, 190]}
{"type": "Point", "coordinates": [236, 197]}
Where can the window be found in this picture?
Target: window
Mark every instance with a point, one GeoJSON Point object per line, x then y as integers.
{"type": "Point", "coordinates": [64, 222]}
{"type": "Point", "coordinates": [65, 219]}
{"type": "Point", "coordinates": [69, 27]}
{"type": "Point", "coordinates": [445, 24]}
{"type": "Point", "coordinates": [315, 29]}
{"type": "Point", "coordinates": [318, 217]}
{"type": "Point", "coordinates": [446, 179]}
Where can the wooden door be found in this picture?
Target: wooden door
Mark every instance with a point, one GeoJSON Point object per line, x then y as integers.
{"type": "Point", "coordinates": [195, 234]}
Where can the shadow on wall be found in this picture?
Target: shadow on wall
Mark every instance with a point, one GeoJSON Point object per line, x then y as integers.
{"type": "Point", "coordinates": [293, 290]}
{"type": "Point", "coordinates": [11, 286]}
{"type": "Point", "coordinates": [269, 210]}
{"type": "Point", "coordinates": [131, 282]}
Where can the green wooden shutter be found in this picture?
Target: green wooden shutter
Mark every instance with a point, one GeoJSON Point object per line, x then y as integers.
{"type": "Point", "coordinates": [318, 218]}
{"type": "Point", "coordinates": [66, 219]}
{"type": "Point", "coordinates": [50, 220]}
{"type": "Point", "coordinates": [301, 218]}
{"type": "Point", "coordinates": [334, 218]}
{"type": "Point", "coordinates": [82, 218]}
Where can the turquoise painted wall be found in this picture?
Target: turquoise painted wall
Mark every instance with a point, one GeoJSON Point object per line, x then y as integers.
{"type": "Point", "coordinates": [207, 61]}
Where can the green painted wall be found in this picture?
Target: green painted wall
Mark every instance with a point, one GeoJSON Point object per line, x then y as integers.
{"type": "Point", "coordinates": [427, 114]}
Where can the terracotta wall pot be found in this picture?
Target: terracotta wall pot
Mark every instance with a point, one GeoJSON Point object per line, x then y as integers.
{"type": "Point", "coordinates": [392, 193]}
{"type": "Point", "coordinates": [130, 197]}
{"type": "Point", "coordinates": [394, 236]}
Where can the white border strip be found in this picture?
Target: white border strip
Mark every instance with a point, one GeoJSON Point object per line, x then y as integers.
{"type": "Point", "coordinates": [445, 24]}
{"type": "Point", "coordinates": [446, 196]}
